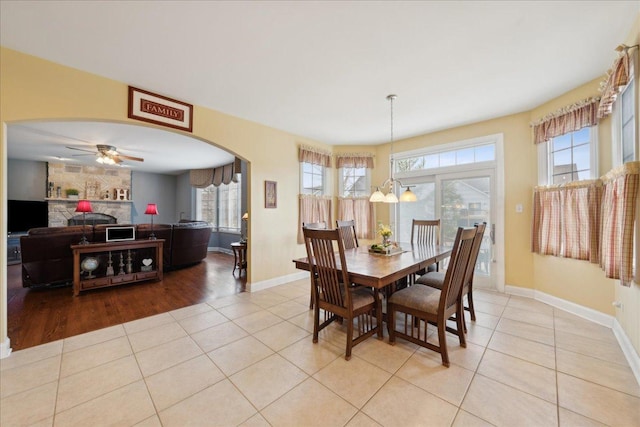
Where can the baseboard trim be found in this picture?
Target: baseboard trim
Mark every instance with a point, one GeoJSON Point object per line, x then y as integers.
{"type": "Point", "coordinates": [266, 284]}
{"type": "Point", "coordinates": [5, 348]}
{"type": "Point", "coordinates": [627, 348]}
{"type": "Point", "coordinates": [589, 314]}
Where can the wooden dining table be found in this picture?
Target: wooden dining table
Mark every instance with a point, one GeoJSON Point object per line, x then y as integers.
{"type": "Point", "coordinates": [381, 270]}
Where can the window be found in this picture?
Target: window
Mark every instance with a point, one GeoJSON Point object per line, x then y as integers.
{"type": "Point", "coordinates": [354, 182]}
{"type": "Point", "coordinates": [456, 157]}
{"type": "Point", "coordinates": [221, 206]}
{"type": "Point", "coordinates": [312, 177]}
{"type": "Point", "coordinates": [569, 157]}
{"type": "Point", "coordinates": [624, 116]}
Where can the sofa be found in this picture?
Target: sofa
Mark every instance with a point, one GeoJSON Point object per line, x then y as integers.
{"type": "Point", "coordinates": [47, 259]}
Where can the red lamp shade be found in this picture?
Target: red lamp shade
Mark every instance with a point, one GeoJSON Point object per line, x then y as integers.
{"type": "Point", "coordinates": [84, 206]}
{"type": "Point", "coordinates": [152, 209]}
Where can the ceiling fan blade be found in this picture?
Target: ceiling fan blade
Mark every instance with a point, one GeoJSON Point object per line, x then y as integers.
{"type": "Point", "coordinates": [81, 149]}
{"type": "Point", "coordinates": [137, 159]}
{"type": "Point", "coordinates": [80, 155]}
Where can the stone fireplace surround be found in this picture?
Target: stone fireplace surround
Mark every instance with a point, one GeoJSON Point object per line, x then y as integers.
{"type": "Point", "coordinates": [96, 183]}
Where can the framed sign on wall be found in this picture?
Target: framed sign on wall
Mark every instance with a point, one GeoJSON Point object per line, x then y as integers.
{"type": "Point", "coordinates": [270, 194]}
{"type": "Point", "coordinates": [158, 109]}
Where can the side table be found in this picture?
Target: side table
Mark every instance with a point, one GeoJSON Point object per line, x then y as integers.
{"type": "Point", "coordinates": [239, 257]}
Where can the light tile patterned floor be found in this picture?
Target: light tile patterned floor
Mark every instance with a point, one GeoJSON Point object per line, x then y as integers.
{"type": "Point", "coordinates": [249, 360]}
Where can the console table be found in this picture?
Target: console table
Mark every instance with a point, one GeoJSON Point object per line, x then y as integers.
{"type": "Point", "coordinates": [122, 269]}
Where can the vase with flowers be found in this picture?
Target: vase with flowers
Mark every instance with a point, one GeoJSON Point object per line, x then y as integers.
{"type": "Point", "coordinates": [386, 233]}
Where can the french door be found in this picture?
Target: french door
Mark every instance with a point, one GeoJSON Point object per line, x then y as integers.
{"type": "Point", "coordinates": [460, 199]}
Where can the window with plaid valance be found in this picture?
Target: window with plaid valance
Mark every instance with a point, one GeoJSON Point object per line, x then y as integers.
{"type": "Point", "coordinates": [590, 220]}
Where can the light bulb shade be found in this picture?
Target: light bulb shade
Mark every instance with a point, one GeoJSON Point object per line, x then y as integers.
{"type": "Point", "coordinates": [377, 196]}
{"type": "Point", "coordinates": [84, 206]}
{"type": "Point", "coordinates": [245, 216]}
{"type": "Point", "coordinates": [390, 197]}
{"type": "Point", "coordinates": [408, 196]}
{"type": "Point", "coordinates": [152, 209]}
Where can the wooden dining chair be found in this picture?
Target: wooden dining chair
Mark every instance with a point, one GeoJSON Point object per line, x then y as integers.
{"type": "Point", "coordinates": [334, 293]}
{"type": "Point", "coordinates": [348, 233]}
{"type": "Point", "coordinates": [435, 279]}
{"type": "Point", "coordinates": [425, 232]}
{"type": "Point", "coordinates": [423, 305]}
{"type": "Point", "coordinates": [314, 226]}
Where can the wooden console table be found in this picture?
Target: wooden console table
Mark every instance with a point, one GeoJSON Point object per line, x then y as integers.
{"type": "Point", "coordinates": [119, 276]}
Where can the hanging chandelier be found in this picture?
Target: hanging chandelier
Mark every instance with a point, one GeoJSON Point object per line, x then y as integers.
{"type": "Point", "coordinates": [390, 197]}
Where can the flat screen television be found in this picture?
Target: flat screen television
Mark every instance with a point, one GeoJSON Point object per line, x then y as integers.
{"type": "Point", "coordinates": [23, 215]}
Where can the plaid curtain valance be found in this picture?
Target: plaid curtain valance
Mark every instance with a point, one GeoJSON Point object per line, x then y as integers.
{"type": "Point", "coordinates": [567, 119]}
{"type": "Point", "coordinates": [617, 78]}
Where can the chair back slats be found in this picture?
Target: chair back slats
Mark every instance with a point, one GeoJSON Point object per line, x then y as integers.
{"type": "Point", "coordinates": [330, 278]}
{"type": "Point", "coordinates": [348, 233]}
{"type": "Point", "coordinates": [457, 270]}
{"type": "Point", "coordinates": [475, 250]}
{"type": "Point", "coordinates": [425, 231]}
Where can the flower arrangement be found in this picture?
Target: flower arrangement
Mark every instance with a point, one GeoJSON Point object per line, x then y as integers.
{"type": "Point", "coordinates": [385, 232]}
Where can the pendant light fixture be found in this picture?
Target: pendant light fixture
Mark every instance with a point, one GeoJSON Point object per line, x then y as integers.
{"type": "Point", "coordinates": [390, 197]}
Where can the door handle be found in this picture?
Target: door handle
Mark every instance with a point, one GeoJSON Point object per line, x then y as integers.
{"type": "Point", "coordinates": [492, 234]}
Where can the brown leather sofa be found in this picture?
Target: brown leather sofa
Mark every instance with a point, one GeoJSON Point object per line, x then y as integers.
{"type": "Point", "coordinates": [47, 258]}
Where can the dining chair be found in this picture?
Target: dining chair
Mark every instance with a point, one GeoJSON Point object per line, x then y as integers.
{"type": "Point", "coordinates": [435, 279]}
{"type": "Point", "coordinates": [314, 226]}
{"type": "Point", "coordinates": [423, 305]}
{"type": "Point", "coordinates": [425, 232]}
{"type": "Point", "coordinates": [334, 293]}
{"type": "Point", "coordinates": [348, 233]}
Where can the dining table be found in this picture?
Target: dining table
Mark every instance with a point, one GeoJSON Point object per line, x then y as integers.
{"type": "Point", "coordinates": [378, 270]}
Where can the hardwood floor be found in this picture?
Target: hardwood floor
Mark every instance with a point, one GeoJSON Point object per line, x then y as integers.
{"type": "Point", "coordinates": [38, 316]}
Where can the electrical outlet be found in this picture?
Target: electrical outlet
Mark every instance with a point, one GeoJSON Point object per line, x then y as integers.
{"type": "Point", "coordinates": [519, 208]}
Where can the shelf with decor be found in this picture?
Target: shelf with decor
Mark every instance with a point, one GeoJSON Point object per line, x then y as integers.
{"type": "Point", "coordinates": [100, 265]}
{"type": "Point", "coordinates": [54, 199]}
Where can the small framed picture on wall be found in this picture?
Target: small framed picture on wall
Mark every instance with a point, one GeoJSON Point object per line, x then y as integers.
{"type": "Point", "coordinates": [270, 194]}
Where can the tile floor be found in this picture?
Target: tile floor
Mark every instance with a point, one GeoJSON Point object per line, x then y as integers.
{"type": "Point", "coordinates": [249, 360]}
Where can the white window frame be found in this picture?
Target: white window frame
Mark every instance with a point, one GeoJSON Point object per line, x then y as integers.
{"type": "Point", "coordinates": [367, 182]}
{"type": "Point", "coordinates": [325, 177]}
{"type": "Point", "coordinates": [544, 159]}
{"type": "Point", "coordinates": [616, 124]}
{"type": "Point", "coordinates": [216, 226]}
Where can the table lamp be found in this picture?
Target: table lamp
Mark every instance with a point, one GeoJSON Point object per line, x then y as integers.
{"type": "Point", "coordinates": [84, 206]}
{"type": "Point", "coordinates": [152, 209]}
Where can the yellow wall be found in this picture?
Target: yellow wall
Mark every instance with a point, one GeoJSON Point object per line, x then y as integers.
{"type": "Point", "coordinates": [519, 177]}
{"type": "Point", "coordinates": [34, 89]}
{"type": "Point", "coordinates": [576, 281]}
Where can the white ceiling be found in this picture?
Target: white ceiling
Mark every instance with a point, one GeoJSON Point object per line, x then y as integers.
{"type": "Point", "coordinates": [322, 69]}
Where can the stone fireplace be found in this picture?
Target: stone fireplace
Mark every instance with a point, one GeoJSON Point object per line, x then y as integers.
{"type": "Point", "coordinates": [104, 187]}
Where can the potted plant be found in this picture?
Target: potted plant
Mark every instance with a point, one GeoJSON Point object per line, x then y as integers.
{"type": "Point", "coordinates": [72, 193]}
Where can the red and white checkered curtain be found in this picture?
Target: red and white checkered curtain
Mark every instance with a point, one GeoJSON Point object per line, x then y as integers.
{"type": "Point", "coordinates": [361, 211]}
{"type": "Point", "coordinates": [546, 232]}
{"type": "Point", "coordinates": [566, 220]}
{"type": "Point", "coordinates": [590, 220]}
{"type": "Point", "coordinates": [618, 215]}
{"type": "Point", "coordinates": [617, 78]}
{"type": "Point", "coordinates": [567, 119]}
{"type": "Point", "coordinates": [313, 209]}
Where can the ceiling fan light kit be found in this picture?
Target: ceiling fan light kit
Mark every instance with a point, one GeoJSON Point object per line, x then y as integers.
{"type": "Point", "coordinates": [107, 155]}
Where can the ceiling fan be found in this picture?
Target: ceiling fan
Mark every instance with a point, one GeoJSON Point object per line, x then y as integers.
{"type": "Point", "coordinates": [107, 154]}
